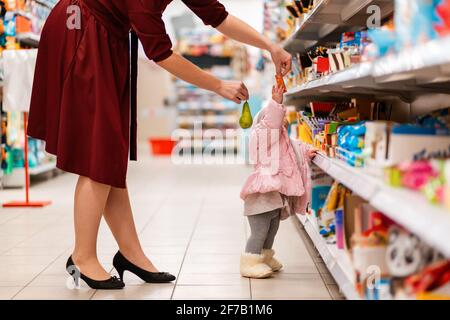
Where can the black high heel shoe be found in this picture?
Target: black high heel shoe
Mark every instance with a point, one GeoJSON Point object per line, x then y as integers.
{"type": "Point", "coordinates": [112, 283]}
{"type": "Point", "coordinates": [122, 264]}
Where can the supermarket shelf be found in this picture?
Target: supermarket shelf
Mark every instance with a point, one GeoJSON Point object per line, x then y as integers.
{"type": "Point", "coordinates": [330, 18]}
{"type": "Point", "coordinates": [408, 208]}
{"type": "Point", "coordinates": [337, 261]}
{"type": "Point", "coordinates": [29, 39]}
{"type": "Point", "coordinates": [424, 69]}
{"type": "Point", "coordinates": [43, 168]}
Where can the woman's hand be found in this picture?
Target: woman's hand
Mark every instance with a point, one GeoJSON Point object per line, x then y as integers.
{"type": "Point", "coordinates": [240, 31]}
{"type": "Point", "coordinates": [233, 90]}
{"type": "Point", "coordinates": [282, 60]}
{"type": "Point", "coordinates": [180, 67]}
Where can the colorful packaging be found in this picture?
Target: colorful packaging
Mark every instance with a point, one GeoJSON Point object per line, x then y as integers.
{"type": "Point", "coordinates": [339, 217]}
{"type": "Point", "coordinates": [443, 11]}
{"type": "Point", "coordinates": [415, 22]}
{"type": "Point", "coordinates": [447, 184]}
{"type": "Point", "coordinates": [318, 196]}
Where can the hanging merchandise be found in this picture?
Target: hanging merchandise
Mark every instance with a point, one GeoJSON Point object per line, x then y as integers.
{"type": "Point", "coordinates": [18, 79]}
{"type": "Point", "coordinates": [20, 25]}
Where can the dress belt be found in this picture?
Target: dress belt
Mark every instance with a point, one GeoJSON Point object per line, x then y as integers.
{"type": "Point", "coordinates": [133, 94]}
{"type": "Point", "coordinates": [113, 24]}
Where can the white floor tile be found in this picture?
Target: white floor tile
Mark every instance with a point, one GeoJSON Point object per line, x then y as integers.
{"type": "Point", "coordinates": [54, 293]}
{"type": "Point", "coordinates": [231, 292]}
{"type": "Point", "coordinates": [221, 279]}
{"type": "Point", "coordinates": [7, 293]}
{"type": "Point", "coordinates": [141, 292]}
{"type": "Point", "coordinates": [297, 288]}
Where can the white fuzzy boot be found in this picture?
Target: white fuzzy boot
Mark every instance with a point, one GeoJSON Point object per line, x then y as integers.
{"type": "Point", "coordinates": [253, 266]}
{"type": "Point", "coordinates": [273, 263]}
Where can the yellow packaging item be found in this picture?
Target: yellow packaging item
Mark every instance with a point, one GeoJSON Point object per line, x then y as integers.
{"type": "Point", "coordinates": [432, 296]}
{"type": "Point", "coordinates": [333, 197]}
{"type": "Point", "coordinates": [305, 134]}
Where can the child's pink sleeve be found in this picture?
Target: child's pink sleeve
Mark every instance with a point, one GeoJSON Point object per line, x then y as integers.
{"type": "Point", "coordinates": [274, 117]}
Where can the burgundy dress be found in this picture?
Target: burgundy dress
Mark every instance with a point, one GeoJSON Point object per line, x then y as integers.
{"type": "Point", "coordinates": [81, 103]}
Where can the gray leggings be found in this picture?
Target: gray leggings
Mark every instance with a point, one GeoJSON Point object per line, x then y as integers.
{"type": "Point", "coordinates": [264, 228]}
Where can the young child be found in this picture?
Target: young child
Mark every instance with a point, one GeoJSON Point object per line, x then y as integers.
{"type": "Point", "coordinates": [278, 187]}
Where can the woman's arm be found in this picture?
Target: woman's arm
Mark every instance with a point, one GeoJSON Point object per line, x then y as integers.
{"type": "Point", "coordinates": [240, 31]}
{"type": "Point", "coordinates": [187, 71]}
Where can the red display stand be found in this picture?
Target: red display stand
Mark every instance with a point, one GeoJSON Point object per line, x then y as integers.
{"type": "Point", "coordinates": [27, 203]}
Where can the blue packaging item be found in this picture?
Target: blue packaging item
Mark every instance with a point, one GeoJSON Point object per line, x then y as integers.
{"type": "Point", "coordinates": [415, 22]}
{"type": "Point", "coordinates": [350, 137]}
{"type": "Point", "coordinates": [380, 289]}
{"type": "Point", "coordinates": [350, 39]}
{"type": "Point", "coordinates": [383, 39]}
{"type": "Point", "coordinates": [318, 196]}
{"type": "Point", "coordinates": [413, 130]}
{"type": "Point", "coordinates": [351, 142]}
{"type": "Point", "coordinates": [355, 129]}
{"type": "Point", "coordinates": [424, 21]}
{"type": "Point", "coordinates": [10, 24]}
{"type": "Point", "coordinates": [339, 220]}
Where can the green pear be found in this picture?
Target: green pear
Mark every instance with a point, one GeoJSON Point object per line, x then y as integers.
{"type": "Point", "coordinates": [246, 120]}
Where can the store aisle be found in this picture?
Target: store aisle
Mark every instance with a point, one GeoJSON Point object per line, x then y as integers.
{"type": "Point", "coordinates": [190, 222]}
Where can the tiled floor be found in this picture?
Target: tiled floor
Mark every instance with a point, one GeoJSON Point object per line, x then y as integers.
{"type": "Point", "coordinates": [190, 223]}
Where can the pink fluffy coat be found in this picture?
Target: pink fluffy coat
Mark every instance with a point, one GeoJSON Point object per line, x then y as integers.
{"type": "Point", "coordinates": [277, 166]}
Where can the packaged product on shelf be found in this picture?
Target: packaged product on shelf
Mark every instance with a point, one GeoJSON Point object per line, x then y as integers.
{"type": "Point", "coordinates": [407, 256]}
{"type": "Point", "coordinates": [350, 141]}
{"type": "Point", "coordinates": [326, 214]}
{"type": "Point", "coordinates": [443, 11]}
{"type": "Point", "coordinates": [383, 41]}
{"type": "Point", "coordinates": [369, 249]}
{"type": "Point", "coordinates": [389, 144]}
{"type": "Point", "coordinates": [419, 21]}
{"type": "Point", "coordinates": [447, 184]}
{"type": "Point", "coordinates": [319, 194]}
{"type": "Point", "coordinates": [433, 283]}
{"type": "Point", "coordinates": [339, 221]}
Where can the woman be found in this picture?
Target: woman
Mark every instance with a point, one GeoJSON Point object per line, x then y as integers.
{"type": "Point", "coordinates": [82, 107]}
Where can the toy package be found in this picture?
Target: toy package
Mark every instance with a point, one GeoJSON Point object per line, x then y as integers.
{"type": "Point", "coordinates": [443, 11]}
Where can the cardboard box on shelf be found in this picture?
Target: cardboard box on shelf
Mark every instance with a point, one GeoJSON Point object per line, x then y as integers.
{"type": "Point", "coordinates": [385, 148]}
{"type": "Point", "coordinates": [351, 203]}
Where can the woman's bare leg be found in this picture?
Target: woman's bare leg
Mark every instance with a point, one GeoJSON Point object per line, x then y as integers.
{"type": "Point", "coordinates": [90, 200]}
{"type": "Point", "coordinates": [119, 216]}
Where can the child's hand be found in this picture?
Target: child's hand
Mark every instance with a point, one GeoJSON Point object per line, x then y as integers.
{"type": "Point", "coordinates": [277, 94]}
{"type": "Point", "coordinates": [312, 153]}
